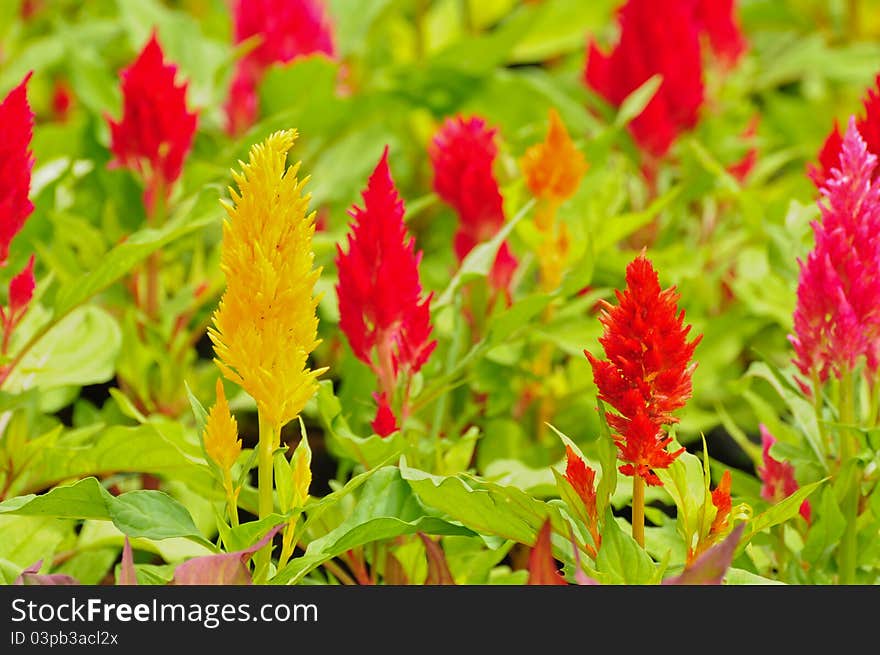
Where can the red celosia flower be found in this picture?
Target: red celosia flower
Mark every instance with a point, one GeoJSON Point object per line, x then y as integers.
{"type": "Point", "coordinates": [583, 479]}
{"type": "Point", "coordinates": [741, 169]}
{"type": "Point", "coordinates": [385, 422]}
{"type": "Point", "coordinates": [16, 163]}
{"type": "Point", "coordinates": [777, 477]}
{"type": "Point", "coordinates": [869, 128]}
{"type": "Point", "coordinates": [723, 504]}
{"type": "Point", "coordinates": [837, 316]}
{"type": "Point", "coordinates": [463, 153]}
{"type": "Point", "coordinates": [648, 46]}
{"type": "Point", "coordinates": [156, 131]}
{"type": "Point", "coordinates": [287, 29]}
{"type": "Point", "coordinates": [647, 375]}
{"type": "Point", "coordinates": [381, 308]}
{"type": "Point", "coordinates": [62, 100]}
{"type": "Point", "coordinates": [717, 20]}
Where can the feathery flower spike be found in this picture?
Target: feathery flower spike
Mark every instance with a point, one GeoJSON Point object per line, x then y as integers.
{"type": "Point", "coordinates": [221, 432]}
{"type": "Point", "coordinates": [717, 20]}
{"type": "Point", "coordinates": [287, 29]}
{"type": "Point", "coordinates": [837, 315]}
{"type": "Point", "coordinates": [382, 311]}
{"type": "Point", "coordinates": [463, 153]}
{"type": "Point", "coordinates": [553, 169]}
{"type": "Point", "coordinates": [648, 46]}
{"type": "Point", "coordinates": [156, 130]}
{"type": "Point", "coordinates": [16, 164]}
{"type": "Point", "coordinates": [647, 374]}
{"type": "Point", "coordinates": [265, 326]}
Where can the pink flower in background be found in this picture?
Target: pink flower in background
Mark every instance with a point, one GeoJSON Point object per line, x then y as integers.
{"type": "Point", "coordinates": [156, 130]}
{"type": "Point", "coordinates": [837, 315]}
{"type": "Point", "coordinates": [16, 164]}
{"type": "Point", "coordinates": [463, 153]}
{"type": "Point", "coordinates": [286, 29]}
{"type": "Point", "coordinates": [777, 477]}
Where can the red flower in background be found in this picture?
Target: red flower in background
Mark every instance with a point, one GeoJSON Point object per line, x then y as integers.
{"type": "Point", "coordinates": [868, 126]}
{"type": "Point", "coordinates": [156, 130]}
{"type": "Point", "coordinates": [649, 46]}
{"type": "Point", "coordinates": [647, 375]}
{"type": "Point", "coordinates": [582, 479]}
{"type": "Point", "coordinates": [837, 315]}
{"type": "Point", "coordinates": [777, 477]}
{"type": "Point", "coordinates": [16, 164]}
{"type": "Point", "coordinates": [463, 153]}
{"type": "Point", "coordinates": [287, 29]}
{"type": "Point", "coordinates": [723, 504]}
{"type": "Point", "coordinates": [717, 20]}
{"type": "Point", "coordinates": [381, 307]}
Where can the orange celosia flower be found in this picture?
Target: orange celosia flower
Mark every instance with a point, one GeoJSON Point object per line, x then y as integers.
{"type": "Point", "coordinates": [553, 168]}
{"type": "Point", "coordinates": [265, 326]}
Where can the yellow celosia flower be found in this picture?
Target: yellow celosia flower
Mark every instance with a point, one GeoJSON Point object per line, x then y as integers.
{"type": "Point", "coordinates": [553, 168]}
{"type": "Point", "coordinates": [265, 326]}
{"type": "Point", "coordinates": [221, 433]}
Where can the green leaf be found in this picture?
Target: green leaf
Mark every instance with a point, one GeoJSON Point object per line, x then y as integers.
{"type": "Point", "coordinates": [780, 512]}
{"type": "Point", "coordinates": [635, 103]}
{"type": "Point", "coordinates": [141, 513]}
{"type": "Point", "coordinates": [827, 528]}
{"type": "Point", "coordinates": [736, 576]}
{"type": "Point", "coordinates": [621, 560]}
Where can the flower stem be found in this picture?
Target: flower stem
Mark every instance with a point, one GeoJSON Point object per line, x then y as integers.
{"type": "Point", "coordinates": [638, 510]}
{"type": "Point", "coordinates": [269, 437]}
{"type": "Point", "coordinates": [850, 502]}
{"type": "Point", "coordinates": [154, 262]}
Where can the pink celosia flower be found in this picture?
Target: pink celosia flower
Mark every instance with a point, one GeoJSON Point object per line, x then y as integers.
{"type": "Point", "coordinates": [777, 478]}
{"type": "Point", "coordinates": [463, 153]}
{"type": "Point", "coordinates": [156, 130]}
{"type": "Point", "coordinates": [837, 316]}
{"type": "Point", "coordinates": [648, 46]}
{"type": "Point", "coordinates": [286, 29]}
{"type": "Point", "coordinates": [381, 307]}
{"type": "Point", "coordinates": [647, 375]}
{"type": "Point", "coordinates": [16, 164]}
{"type": "Point", "coordinates": [869, 128]}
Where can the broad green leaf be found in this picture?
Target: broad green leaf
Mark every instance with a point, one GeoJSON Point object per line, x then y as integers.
{"type": "Point", "coordinates": [780, 512]}
{"type": "Point", "coordinates": [621, 560]}
{"type": "Point", "coordinates": [737, 576]}
{"type": "Point", "coordinates": [827, 528]}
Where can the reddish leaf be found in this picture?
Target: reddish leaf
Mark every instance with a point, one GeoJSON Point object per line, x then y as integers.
{"type": "Point", "coordinates": [32, 576]}
{"type": "Point", "coordinates": [438, 568]}
{"type": "Point", "coordinates": [710, 567]}
{"type": "Point", "coordinates": [394, 573]}
{"type": "Point", "coordinates": [542, 566]}
{"type": "Point", "coordinates": [223, 569]}
{"type": "Point", "coordinates": [127, 574]}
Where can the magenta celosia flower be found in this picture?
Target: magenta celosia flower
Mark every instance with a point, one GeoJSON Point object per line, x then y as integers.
{"type": "Point", "coordinates": [648, 370]}
{"type": "Point", "coordinates": [777, 478]}
{"type": "Point", "coordinates": [463, 153]}
{"type": "Point", "coordinates": [382, 310]}
{"type": "Point", "coordinates": [837, 316]}
{"type": "Point", "coordinates": [156, 130]}
{"type": "Point", "coordinates": [286, 29]}
{"type": "Point", "coordinates": [648, 46]}
{"type": "Point", "coordinates": [16, 164]}
{"type": "Point", "coordinates": [868, 126]}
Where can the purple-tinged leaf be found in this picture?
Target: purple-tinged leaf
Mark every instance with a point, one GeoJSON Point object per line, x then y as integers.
{"type": "Point", "coordinates": [32, 576]}
{"type": "Point", "coordinates": [127, 575]}
{"type": "Point", "coordinates": [438, 568]}
{"type": "Point", "coordinates": [542, 566]}
{"type": "Point", "coordinates": [710, 567]}
{"type": "Point", "coordinates": [222, 569]}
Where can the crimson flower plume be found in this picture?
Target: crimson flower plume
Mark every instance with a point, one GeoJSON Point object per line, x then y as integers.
{"type": "Point", "coordinates": [382, 310]}
{"type": "Point", "coordinates": [155, 133]}
{"type": "Point", "coordinates": [16, 164]}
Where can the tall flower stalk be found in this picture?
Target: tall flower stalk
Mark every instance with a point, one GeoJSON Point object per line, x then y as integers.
{"type": "Point", "coordinates": [265, 326]}
{"type": "Point", "coordinates": [837, 317]}
{"type": "Point", "coordinates": [645, 378]}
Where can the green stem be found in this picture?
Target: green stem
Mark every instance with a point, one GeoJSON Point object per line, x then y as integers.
{"type": "Point", "coordinates": [270, 436]}
{"type": "Point", "coordinates": [154, 262]}
{"type": "Point", "coordinates": [817, 406]}
{"type": "Point", "coordinates": [850, 502]}
{"type": "Point", "coordinates": [638, 510]}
